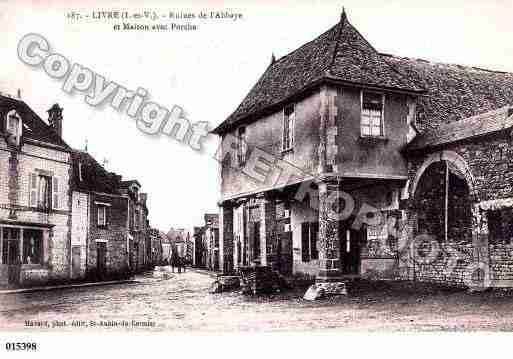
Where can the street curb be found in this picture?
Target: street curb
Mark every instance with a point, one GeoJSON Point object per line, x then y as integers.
{"type": "Point", "coordinates": [67, 286]}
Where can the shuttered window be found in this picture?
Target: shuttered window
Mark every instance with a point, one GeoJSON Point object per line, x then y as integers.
{"type": "Point", "coordinates": [55, 193]}
{"type": "Point", "coordinates": [32, 190]}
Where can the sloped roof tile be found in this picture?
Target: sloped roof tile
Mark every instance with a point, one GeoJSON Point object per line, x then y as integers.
{"type": "Point", "coordinates": [341, 53]}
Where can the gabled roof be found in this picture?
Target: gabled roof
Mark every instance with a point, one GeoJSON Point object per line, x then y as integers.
{"type": "Point", "coordinates": [89, 175]}
{"type": "Point", "coordinates": [475, 126]}
{"type": "Point", "coordinates": [34, 127]}
{"type": "Point", "coordinates": [454, 92]}
{"type": "Point", "coordinates": [340, 54]}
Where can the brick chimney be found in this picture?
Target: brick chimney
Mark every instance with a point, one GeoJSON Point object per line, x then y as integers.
{"type": "Point", "coordinates": [55, 118]}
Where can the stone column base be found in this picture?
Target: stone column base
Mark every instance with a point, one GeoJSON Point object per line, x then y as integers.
{"type": "Point", "coordinates": [325, 289]}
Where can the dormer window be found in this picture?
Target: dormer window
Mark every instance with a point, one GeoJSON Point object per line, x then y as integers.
{"type": "Point", "coordinates": [13, 127]}
{"type": "Point", "coordinates": [288, 128]}
{"type": "Point", "coordinates": [372, 124]}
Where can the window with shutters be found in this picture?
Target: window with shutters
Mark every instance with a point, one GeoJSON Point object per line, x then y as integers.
{"type": "Point", "coordinates": [33, 180]}
{"type": "Point", "coordinates": [288, 128]}
{"type": "Point", "coordinates": [372, 114]}
{"type": "Point", "coordinates": [44, 190]}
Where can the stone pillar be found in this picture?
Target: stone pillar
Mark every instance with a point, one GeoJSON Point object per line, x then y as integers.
{"type": "Point", "coordinates": [329, 233]}
{"type": "Point", "coordinates": [226, 237]}
{"type": "Point", "coordinates": [267, 231]}
{"type": "Point", "coordinates": [329, 279]}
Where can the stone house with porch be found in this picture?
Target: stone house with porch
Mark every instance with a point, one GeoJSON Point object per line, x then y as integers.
{"type": "Point", "coordinates": [35, 210]}
{"type": "Point", "coordinates": [344, 162]}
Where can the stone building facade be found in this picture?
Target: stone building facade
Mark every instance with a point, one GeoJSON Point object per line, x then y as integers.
{"type": "Point", "coordinates": [210, 242]}
{"type": "Point", "coordinates": [100, 231]}
{"type": "Point", "coordinates": [35, 207]}
{"type": "Point", "coordinates": [139, 239]}
{"type": "Point", "coordinates": [62, 215]}
{"type": "Point", "coordinates": [344, 162]}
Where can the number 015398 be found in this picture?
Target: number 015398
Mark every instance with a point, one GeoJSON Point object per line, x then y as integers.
{"type": "Point", "coordinates": [20, 346]}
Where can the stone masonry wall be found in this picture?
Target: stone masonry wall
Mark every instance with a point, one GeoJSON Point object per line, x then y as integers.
{"type": "Point", "coordinates": [115, 234]}
{"type": "Point", "coordinates": [53, 162]}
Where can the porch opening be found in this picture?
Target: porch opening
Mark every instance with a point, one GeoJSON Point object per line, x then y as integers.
{"type": "Point", "coordinates": [443, 204]}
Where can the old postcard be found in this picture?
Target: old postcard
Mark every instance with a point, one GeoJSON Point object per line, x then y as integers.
{"type": "Point", "coordinates": [289, 166]}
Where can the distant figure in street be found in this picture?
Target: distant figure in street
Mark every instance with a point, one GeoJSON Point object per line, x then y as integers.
{"type": "Point", "coordinates": [174, 262]}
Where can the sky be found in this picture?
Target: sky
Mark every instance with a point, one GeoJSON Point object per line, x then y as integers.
{"type": "Point", "coordinates": [208, 72]}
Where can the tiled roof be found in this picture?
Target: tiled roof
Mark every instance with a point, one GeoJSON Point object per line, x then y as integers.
{"type": "Point", "coordinates": [454, 92]}
{"type": "Point", "coordinates": [33, 126]}
{"type": "Point", "coordinates": [486, 123]}
{"type": "Point", "coordinates": [340, 54]}
{"type": "Point", "coordinates": [89, 175]}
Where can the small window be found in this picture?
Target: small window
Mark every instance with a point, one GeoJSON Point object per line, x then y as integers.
{"type": "Point", "coordinates": [288, 128]}
{"type": "Point", "coordinates": [102, 215]}
{"type": "Point", "coordinates": [242, 147]}
{"type": "Point", "coordinates": [372, 114]}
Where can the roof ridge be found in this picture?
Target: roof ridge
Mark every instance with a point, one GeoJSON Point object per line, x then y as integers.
{"type": "Point", "coordinates": [418, 59]}
{"type": "Point", "coordinates": [341, 23]}
{"type": "Point", "coordinates": [344, 20]}
{"type": "Point", "coordinates": [306, 43]}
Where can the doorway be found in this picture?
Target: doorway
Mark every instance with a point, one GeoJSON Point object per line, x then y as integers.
{"type": "Point", "coordinates": [101, 259]}
{"type": "Point", "coordinates": [75, 261]}
{"type": "Point", "coordinates": [350, 242]}
{"type": "Point", "coordinates": [11, 254]}
{"type": "Point", "coordinates": [284, 253]}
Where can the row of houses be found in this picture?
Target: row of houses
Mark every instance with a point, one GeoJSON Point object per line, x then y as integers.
{"type": "Point", "coordinates": [180, 245]}
{"type": "Point", "coordinates": [63, 216]}
{"type": "Point", "coordinates": [354, 132]}
{"type": "Point", "coordinates": [206, 243]}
